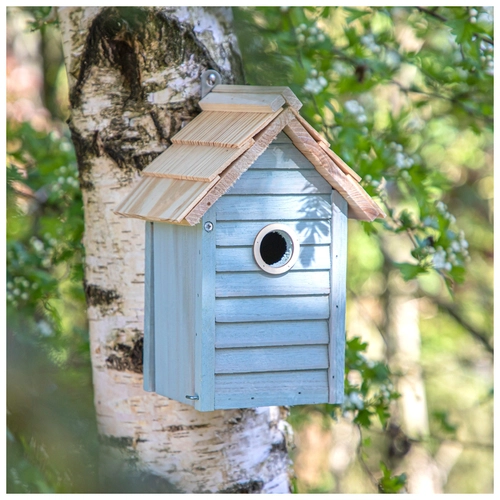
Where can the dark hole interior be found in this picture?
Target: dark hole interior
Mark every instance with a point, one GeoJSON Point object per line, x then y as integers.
{"type": "Point", "coordinates": [272, 248]}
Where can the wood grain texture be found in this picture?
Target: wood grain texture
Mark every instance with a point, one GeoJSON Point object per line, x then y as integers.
{"type": "Point", "coordinates": [149, 312]}
{"type": "Point", "coordinates": [271, 333]}
{"type": "Point", "coordinates": [195, 163]}
{"type": "Point", "coordinates": [177, 272]}
{"type": "Point", "coordinates": [270, 359]}
{"type": "Point", "coordinates": [233, 172]}
{"type": "Point", "coordinates": [280, 182]}
{"type": "Point", "coordinates": [361, 206]}
{"type": "Point", "coordinates": [227, 130]}
{"type": "Point", "coordinates": [340, 162]}
{"type": "Point", "coordinates": [242, 103]}
{"type": "Point", "coordinates": [242, 233]}
{"type": "Point", "coordinates": [337, 300]}
{"type": "Point", "coordinates": [312, 131]}
{"type": "Point", "coordinates": [274, 208]}
{"type": "Point", "coordinates": [237, 310]}
{"type": "Point", "coordinates": [261, 284]}
{"type": "Point", "coordinates": [239, 259]}
{"type": "Point", "coordinates": [205, 322]}
{"type": "Point", "coordinates": [250, 390]}
{"type": "Point", "coordinates": [290, 98]}
{"type": "Point", "coordinates": [163, 199]}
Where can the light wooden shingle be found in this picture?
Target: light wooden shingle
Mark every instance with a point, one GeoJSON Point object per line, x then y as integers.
{"type": "Point", "coordinates": [163, 199]}
{"type": "Point", "coordinates": [234, 171]}
{"type": "Point", "coordinates": [195, 163]}
{"type": "Point", "coordinates": [217, 128]}
{"type": "Point", "coordinates": [242, 103]}
{"type": "Point", "coordinates": [290, 98]}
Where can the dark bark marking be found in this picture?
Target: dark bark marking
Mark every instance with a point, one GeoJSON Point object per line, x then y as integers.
{"type": "Point", "coordinates": [176, 428]}
{"type": "Point", "coordinates": [279, 447]}
{"type": "Point", "coordinates": [122, 39]}
{"type": "Point", "coordinates": [97, 296]}
{"type": "Point", "coordinates": [85, 150]}
{"type": "Point", "coordinates": [253, 486]}
{"type": "Point", "coordinates": [113, 36]}
{"type": "Point", "coordinates": [126, 358]}
{"type": "Point", "coordinates": [158, 126]}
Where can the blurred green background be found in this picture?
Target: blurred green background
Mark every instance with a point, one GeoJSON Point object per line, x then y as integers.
{"type": "Point", "coordinates": [405, 96]}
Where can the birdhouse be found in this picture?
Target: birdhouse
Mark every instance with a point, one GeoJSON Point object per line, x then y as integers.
{"type": "Point", "coordinates": [246, 246]}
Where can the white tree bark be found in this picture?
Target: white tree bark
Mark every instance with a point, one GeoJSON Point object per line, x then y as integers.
{"type": "Point", "coordinates": [134, 78]}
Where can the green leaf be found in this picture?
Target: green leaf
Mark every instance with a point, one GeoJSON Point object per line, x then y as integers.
{"type": "Point", "coordinates": [389, 483]}
{"type": "Point", "coordinates": [410, 271]}
{"type": "Point", "coordinates": [355, 14]}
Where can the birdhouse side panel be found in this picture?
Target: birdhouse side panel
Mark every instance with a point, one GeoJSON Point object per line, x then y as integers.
{"type": "Point", "coordinates": [272, 330]}
{"type": "Point", "coordinates": [149, 316]}
{"type": "Point", "coordinates": [338, 272]}
{"type": "Point", "coordinates": [177, 288]}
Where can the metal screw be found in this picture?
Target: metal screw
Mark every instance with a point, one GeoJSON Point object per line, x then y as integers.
{"type": "Point", "coordinates": [208, 226]}
{"type": "Point", "coordinates": [211, 79]}
{"type": "Point", "coordinates": [193, 398]}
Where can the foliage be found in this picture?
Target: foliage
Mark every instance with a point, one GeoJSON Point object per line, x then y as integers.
{"type": "Point", "coordinates": [404, 95]}
{"type": "Point", "coordinates": [389, 483]}
{"type": "Point", "coordinates": [339, 59]}
{"type": "Point", "coordinates": [48, 349]}
{"type": "Point", "coordinates": [44, 232]}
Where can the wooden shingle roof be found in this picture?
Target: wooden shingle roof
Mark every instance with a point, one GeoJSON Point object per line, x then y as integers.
{"type": "Point", "coordinates": [209, 154]}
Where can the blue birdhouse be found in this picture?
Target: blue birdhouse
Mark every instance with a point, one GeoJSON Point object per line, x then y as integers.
{"type": "Point", "coordinates": [246, 245]}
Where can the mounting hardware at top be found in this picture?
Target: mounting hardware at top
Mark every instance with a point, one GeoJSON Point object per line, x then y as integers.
{"type": "Point", "coordinates": [209, 79]}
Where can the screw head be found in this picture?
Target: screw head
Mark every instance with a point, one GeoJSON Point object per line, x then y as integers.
{"type": "Point", "coordinates": [208, 226]}
{"type": "Point", "coordinates": [211, 79]}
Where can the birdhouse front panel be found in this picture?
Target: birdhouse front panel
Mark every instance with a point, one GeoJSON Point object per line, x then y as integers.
{"type": "Point", "coordinates": [272, 330]}
{"type": "Point", "coordinates": [246, 247]}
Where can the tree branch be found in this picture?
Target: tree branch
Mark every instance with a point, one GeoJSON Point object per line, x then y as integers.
{"type": "Point", "coordinates": [482, 337]}
{"type": "Point", "coordinates": [443, 19]}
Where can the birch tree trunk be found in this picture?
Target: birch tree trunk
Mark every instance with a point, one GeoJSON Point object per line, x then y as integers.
{"type": "Point", "coordinates": [134, 81]}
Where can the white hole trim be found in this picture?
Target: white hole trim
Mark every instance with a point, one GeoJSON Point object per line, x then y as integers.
{"type": "Point", "coordinates": [289, 257]}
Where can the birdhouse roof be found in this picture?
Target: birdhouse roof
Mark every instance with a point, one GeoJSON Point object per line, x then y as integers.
{"type": "Point", "coordinates": [208, 155]}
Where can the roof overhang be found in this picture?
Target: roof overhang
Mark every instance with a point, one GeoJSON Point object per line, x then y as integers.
{"type": "Point", "coordinates": [240, 122]}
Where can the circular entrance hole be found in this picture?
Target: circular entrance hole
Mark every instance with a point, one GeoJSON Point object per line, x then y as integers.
{"type": "Point", "coordinates": [276, 248]}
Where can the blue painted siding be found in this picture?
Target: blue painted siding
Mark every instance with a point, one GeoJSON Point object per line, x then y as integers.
{"type": "Point", "coordinates": [272, 331]}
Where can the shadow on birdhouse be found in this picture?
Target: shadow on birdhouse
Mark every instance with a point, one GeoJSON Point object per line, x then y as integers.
{"type": "Point", "coordinates": [246, 247]}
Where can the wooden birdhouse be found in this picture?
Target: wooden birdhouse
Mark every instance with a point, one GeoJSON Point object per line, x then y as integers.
{"type": "Point", "coordinates": [246, 245]}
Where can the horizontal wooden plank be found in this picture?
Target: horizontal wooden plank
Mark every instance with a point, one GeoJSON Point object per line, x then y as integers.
{"type": "Point", "coordinates": [280, 182]}
{"type": "Point", "coordinates": [271, 309]}
{"type": "Point", "coordinates": [217, 128]}
{"type": "Point", "coordinates": [196, 163]}
{"type": "Point", "coordinates": [265, 389]}
{"type": "Point", "coordinates": [238, 102]}
{"type": "Point", "coordinates": [267, 359]}
{"type": "Point", "coordinates": [271, 333]}
{"type": "Point", "coordinates": [244, 233]}
{"type": "Point", "coordinates": [286, 92]}
{"type": "Point", "coordinates": [237, 259]}
{"type": "Point", "coordinates": [283, 157]}
{"type": "Point", "coordinates": [163, 199]}
{"type": "Point", "coordinates": [275, 208]}
{"type": "Point", "coordinates": [262, 284]}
